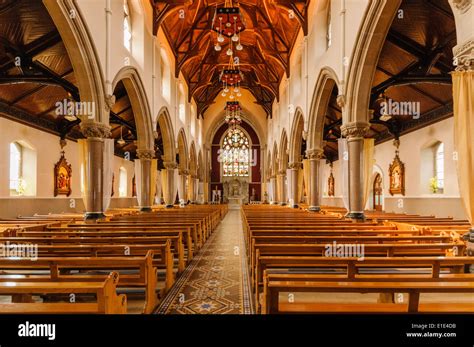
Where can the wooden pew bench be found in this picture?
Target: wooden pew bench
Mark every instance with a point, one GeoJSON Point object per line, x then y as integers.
{"type": "Point", "coordinates": [157, 241]}
{"type": "Point", "coordinates": [138, 272]}
{"type": "Point", "coordinates": [273, 288]}
{"type": "Point", "coordinates": [352, 269]}
{"type": "Point", "coordinates": [107, 301]}
{"type": "Point", "coordinates": [80, 247]}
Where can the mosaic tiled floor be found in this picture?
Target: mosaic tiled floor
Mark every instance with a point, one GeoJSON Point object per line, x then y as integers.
{"type": "Point", "coordinates": [216, 281]}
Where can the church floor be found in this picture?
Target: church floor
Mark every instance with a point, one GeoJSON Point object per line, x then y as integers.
{"type": "Point", "coordinates": [216, 281]}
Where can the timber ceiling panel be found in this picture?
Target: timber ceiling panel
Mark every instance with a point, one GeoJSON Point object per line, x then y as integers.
{"type": "Point", "coordinates": [272, 27]}
{"type": "Point", "coordinates": [414, 66]}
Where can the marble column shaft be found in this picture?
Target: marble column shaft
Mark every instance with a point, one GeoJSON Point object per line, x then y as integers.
{"type": "Point", "coordinates": [293, 180]}
{"type": "Point", "coordinates": [95, 134]}
{"type": "Point", "coordinates": [354, 132]}
{"type": "Point", "coordinates": [146, 185]}
{"type": "Point", "coordinates": [314, 156]}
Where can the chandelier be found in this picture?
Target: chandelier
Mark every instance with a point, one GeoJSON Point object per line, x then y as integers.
{"type": "Point", "coordinates": [228, 22]}
{"type": "Point", "coordinates": [231, 77]}
{"type": "Point", "coordinates": [233, 113]}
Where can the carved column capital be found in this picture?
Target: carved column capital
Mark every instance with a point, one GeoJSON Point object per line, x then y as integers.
{"type": "Point", "coordinates": [295, 165]}
{"type": "Point", "coordinates": [146, 154]}
{"type": "Point", "coordinates": [281, 172]}
{"type": "Point", "coordinates": [95, 129]}
{"type": "Point", "coordinates": [462, 5]}
{"type": "Point", "coordinates": [109, 102]}
{"type": "Point", "coordinates": [341, 100]}
{"type": "Point", "coordinates": [355, 130]}
{"type": "Point", "coordinates": [315, 154]}
{"type": "Point", "coordinates": [170, 165]}
{"type": "Point", "coordinates": [464, 56]}
{"type": "Point", "coordinates": [184, 172]}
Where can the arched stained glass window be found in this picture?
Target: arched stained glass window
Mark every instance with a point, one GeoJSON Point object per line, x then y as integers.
{"type": "Point", "coordinates": [235, 154]}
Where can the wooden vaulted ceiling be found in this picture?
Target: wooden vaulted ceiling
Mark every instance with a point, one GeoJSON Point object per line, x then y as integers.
{"type": "Point", "coordinates": [35, 70]}
{"type": "Point", "coordinates": [414, 66]}
{"type": "Point", "coordinates": [272, 27]}
{"type": "Point", "coordinates": [31, 86]}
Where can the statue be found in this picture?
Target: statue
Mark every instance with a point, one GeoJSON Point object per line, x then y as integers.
{"type": "Point", "coordinates": [253, 197]}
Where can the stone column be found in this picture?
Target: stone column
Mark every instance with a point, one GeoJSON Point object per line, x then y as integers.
{"type": "Point", "coordinates": [281, 187]}
{"type": "Point", "coordinates": [354, 132]}
{"type": "Point", "coordinates": [170, 196]}
{"type": "Point", "coordinates": [192, 188]}
{"type": "Point", "coordinates": [293, 180]}
{"type": "Point", "coordinates": [95, 134]}
{"type": "Point", "coordinates": [274, 198]}
{"type": "Point", "coordinates": [146, 188]}
{"type": "Point", "coordinates": [183, 175]}
{"type": "Point", "coordinates": [314, 156]}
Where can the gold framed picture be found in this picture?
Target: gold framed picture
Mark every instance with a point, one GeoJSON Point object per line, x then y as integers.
{"type": "Point", "coordinates": [62, 177]}
{"type": "Point", "coordinates": [397, 176]}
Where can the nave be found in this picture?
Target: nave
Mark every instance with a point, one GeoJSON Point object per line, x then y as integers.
{"type": "Point", "coordinates": [217, 280]}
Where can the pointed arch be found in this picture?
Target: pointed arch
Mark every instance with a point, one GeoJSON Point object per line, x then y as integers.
{"type": "Point", "coordinates": [76, 38]}
{"type": "Point", "coordinates": [192, 159]}
{"type": "Point", "coordinates": [140, 106]}
{"type": "Point", "coordinates": [283, 163]}
{"type": "Point", "coordinates": [326, 81]}
{"type": "Point", "coordinates": [167, 133]}
{"type": "Point", "coordinates": [275, 159]}
{"type": "Point", "coordinates": [378, 18]}
{"type": "Point", "coordinates": [296, 137]}
{"type": "Point", "coordinates": [200, 166]}
{"type": "Point", "coordinates": [182, 150]}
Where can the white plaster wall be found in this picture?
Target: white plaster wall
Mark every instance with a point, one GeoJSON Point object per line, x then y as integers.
{"type": "Point", "coordinates": [144, 54]}
{"type": "Point", "coordinates": [48, 152]}
{"type": "Point", "coordinates": [416, 199]}
{"type": "Point", "coordinates": [314, 56]}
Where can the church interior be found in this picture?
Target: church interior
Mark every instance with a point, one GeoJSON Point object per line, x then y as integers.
{"type": "Point", "coordinates": [236, 157]}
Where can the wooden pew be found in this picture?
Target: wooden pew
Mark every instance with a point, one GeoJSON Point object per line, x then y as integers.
{"type": "Point", "coordinates": [273, 288]}
{"type": "Point", "coordinates": [156, 241]}
{"type": "Point", "coordinates": [143, 275]}
{"type": "Point", "coordinates": [352, 269]}
{"type": "Point", "coordinates": [107, 300]}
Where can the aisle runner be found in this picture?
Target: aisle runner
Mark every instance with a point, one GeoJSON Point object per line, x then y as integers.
{"type": "Point", "coordinates": [216, 281]}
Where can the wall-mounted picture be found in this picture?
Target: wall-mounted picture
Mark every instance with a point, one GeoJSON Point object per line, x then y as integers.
{"type": "Point", "coordinates": [62, 177]}
{"type": "Point", "coordinates": [397, 176]}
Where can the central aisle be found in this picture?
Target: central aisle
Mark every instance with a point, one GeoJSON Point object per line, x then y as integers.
{"type": "Point", "coordinates": [216, 281]}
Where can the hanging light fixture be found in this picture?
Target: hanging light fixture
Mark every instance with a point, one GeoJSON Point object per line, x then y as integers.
{"type": "Point", "coordinates": [228, 22]}
{"type": "Point", "coordinates": [231, 77]}
{"type": "Point", "coordinates": [121, 141]}
{"type": "Point", "coordinates": [233, 113]}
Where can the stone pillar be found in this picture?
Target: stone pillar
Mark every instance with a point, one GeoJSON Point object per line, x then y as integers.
{"type": "Point", "coordinates": [314, 156]}
{"type": "Point", "coordinates": [192, 188]}
{"type": "Point", "coordinates": [281, 187]}
{"type": "Point", "coordinates": [354, 132]}
{"type": "Point", "coordinates": [293, 180]}
{"type": "Point", "coordinates": [146, 184]}
{"type": "Point", "coordinates": [95, 134]}
{"type": "Point", "coordinates": [183, 175]}
{"type": "Point", "coordinates": [274, 197]}
{"type": "Point", "coordinates": [169, 187]}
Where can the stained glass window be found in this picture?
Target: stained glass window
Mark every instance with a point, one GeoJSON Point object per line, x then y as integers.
{"type": "Point", "coordinates": [235, 154]}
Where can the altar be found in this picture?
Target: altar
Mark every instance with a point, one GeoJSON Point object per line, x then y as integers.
{"type": "Point", "coordinates": [236, 191]}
